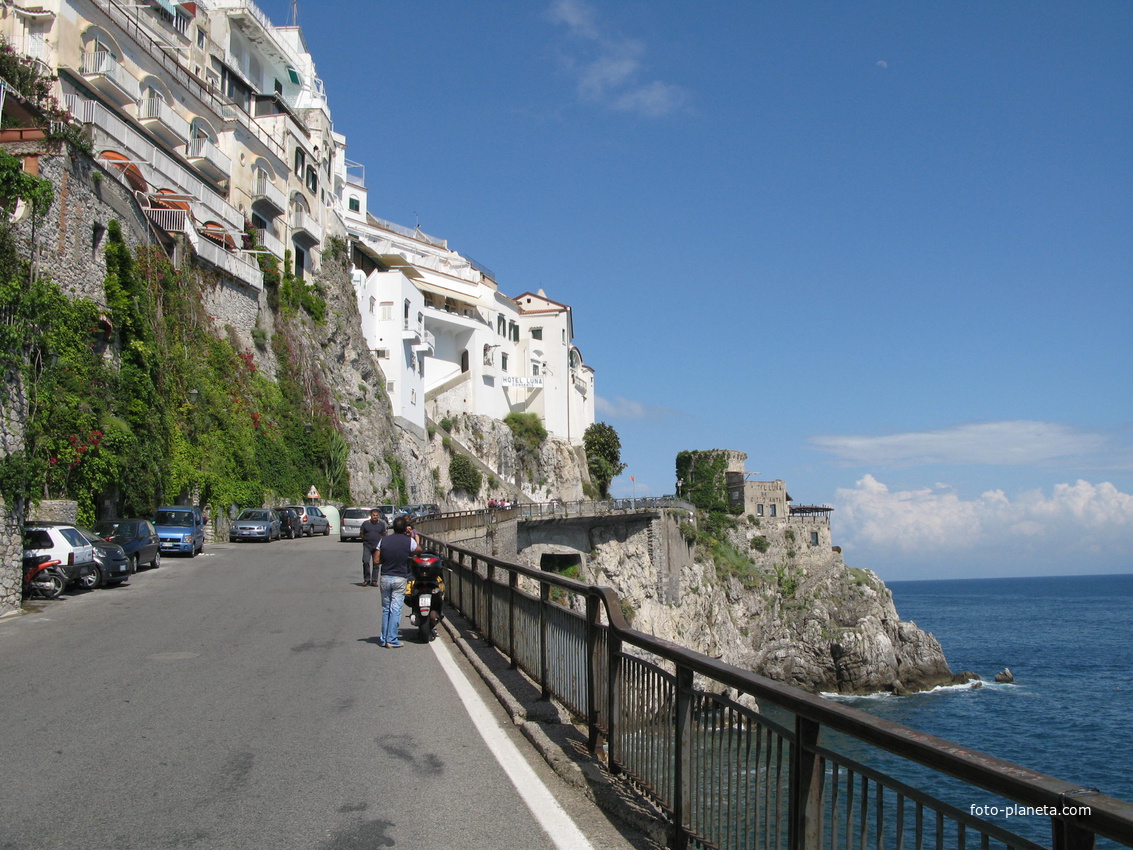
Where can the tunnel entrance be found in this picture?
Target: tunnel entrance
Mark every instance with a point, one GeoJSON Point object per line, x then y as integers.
{"type": "Point", "coordinates": [568, 565]}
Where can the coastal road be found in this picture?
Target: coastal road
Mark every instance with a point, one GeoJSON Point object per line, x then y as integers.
{"type": "Point", "coordinates": [240, 700]}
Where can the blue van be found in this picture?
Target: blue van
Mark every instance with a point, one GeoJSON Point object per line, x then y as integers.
{"type": "Point", "coordinates": [181, 529]}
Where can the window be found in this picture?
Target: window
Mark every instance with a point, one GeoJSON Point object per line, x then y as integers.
{"type": "Point", "coordinates": [300, 162]}
{"type": "Point", "coordinates": [355, 205]}
{"type": "Point", "coordinates": [501, 326]}
{"type": "Point", "coordinates": [534, 368]}
{"type": "Point", "coordinates": [503, 361]}
{"type": "Point", "coordinates": [759, 510]}
{"type": "Point", "coordinates": [381, 353]}
{"type": "Point", "coordinates": [387, 311]}
{"type": "Point", "coordinates": [536, 333]}
{"type": "Point", "coordinates": [773, 507]}
{"type": "Point", "coordinates": [389, 386]}
{"type": "Point", "coordinates": [202, 36]}
{"type": "Point", "coordinates": [373, 301]}
{"type": "Point", "coordinates": [814, 538]}
{"type": "Point", "coordinates": [312, 180]}
{"type": "Point", "coordinates": [413, 397]}
{"type": "Point", "coordinates": [514, 329]}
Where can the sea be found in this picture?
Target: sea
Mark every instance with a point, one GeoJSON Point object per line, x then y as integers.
{"type": "Point", "coordinates": [1067, 640]}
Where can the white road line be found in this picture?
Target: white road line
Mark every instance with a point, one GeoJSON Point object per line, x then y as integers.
{"type": "Point", "coordinates": [546, 809]}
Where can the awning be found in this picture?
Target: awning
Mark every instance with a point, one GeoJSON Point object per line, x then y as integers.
{"type": "Point", "coordinates": [129, 169]}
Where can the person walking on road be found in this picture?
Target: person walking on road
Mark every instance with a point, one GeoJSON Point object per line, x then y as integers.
{"type": "Point", "coordinates": [371, 532]}
{"type": "Point", "coordinates": [394, 553]}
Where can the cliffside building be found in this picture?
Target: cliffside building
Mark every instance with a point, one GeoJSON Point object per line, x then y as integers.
{"type": "Point", "coordinates": [769, 502]}
{"type": "Point", "coordinates": [448, 340]}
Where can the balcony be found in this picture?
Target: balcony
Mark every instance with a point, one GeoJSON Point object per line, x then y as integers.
{"type": "Point", "coordinates": [271, 242]}
{"type": "Point", "coordinates": [208, 159]}
{"type": "Point", "coordinates": [267, 198]}
{"type": "Point", "coordinates": [159, 118]}
{"type": "Point", "coordinates": [171, 221]}
{"type": "Point", "coordinates": [237, 265]}
{"type": "Point", "coordinates": [113, 81]}
{"type": "Point", "coordinates": [427, 345]}
{"type": "Point", "coordinates": [305, 229]}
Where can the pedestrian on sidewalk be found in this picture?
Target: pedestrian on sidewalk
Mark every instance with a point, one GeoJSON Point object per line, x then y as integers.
{"type": "Point", "coordinates": [394, 553]}
{"type": "Point", "coordinates": [371, 532]}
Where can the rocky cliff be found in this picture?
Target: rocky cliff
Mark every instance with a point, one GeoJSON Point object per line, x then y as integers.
{"type": "Point", "coordinates": [793, 613]}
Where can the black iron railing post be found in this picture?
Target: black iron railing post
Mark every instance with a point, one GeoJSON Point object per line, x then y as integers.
{"type": "Point", "coordinates": [490, 609]}
{"type": "Point", "coordinates": [592, 609]}
{"type": "Point", "coordinates": [544, 636]}
{"type": "Point", "coordinates": [1067, 835]}
{"type": "Point", "coordinates": [682, 763]}
{"type": "Point", "coordinates": [513, 586]}
{"type": "Point", "coordinates": [804, 831]}
{"type": "Point", "coordinates": [613, 699]}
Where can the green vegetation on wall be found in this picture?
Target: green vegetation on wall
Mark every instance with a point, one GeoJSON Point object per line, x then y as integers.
{"type": "Point", "coordinates": [703, 483]}
{"type": "Point", "coordinates": [464, 475]}
{"type": "Point", "coordinates": [143, 403]}
{"type": "Point", "coordinates": [527, 429]}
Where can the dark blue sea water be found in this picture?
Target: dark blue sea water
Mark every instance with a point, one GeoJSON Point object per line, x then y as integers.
{"type": "Point", "coordinates": [1068, 642]}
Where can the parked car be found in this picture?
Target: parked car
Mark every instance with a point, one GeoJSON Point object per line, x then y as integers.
{"type": "Point", "coordinates": [137, 537]}
{"type": "Point", "coordinates": [314, 521]}
{"type": "Point", "coordinates": [112, 566]}
{"type": "Point", "coordinates": [352, 519]}
{"type": "Point", "coordinates": [290, 525]}
{"type": "Point", "coordinates": [389, 513]}
{"type": "Point", "coordinates": [255, 524]}
{"type": "Point", "coordinates": [62, 542]}
{"type": "Point", "coordinates": [181, 529]}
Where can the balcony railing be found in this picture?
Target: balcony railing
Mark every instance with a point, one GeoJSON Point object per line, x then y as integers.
{"type": "Point", "coordinates": [725, 775]}
{"type": "Point", "coordinates": [271, 242]}
{"type": "Point", "coordinates": [162, 120]}
{"type": "Point", "coordinates": [171, 221]}
{"type": "Point", "coordinates": [101, 65]}
{"type": "Point", "coordinates": [235, 265]}
{"type": "Point", "coordinates": [208, 158]}
{"type": "Point", "coordinates": [305, 228]}
{"type": "Point", "coordinates": [269, 197]}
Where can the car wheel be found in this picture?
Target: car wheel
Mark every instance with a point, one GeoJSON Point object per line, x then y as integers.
{"type": "Point", "coordinates": [156, 562]}
{"type": "Point", "coordinates": [135, 564]}
{"type": "Point", "coordinates": [326, 531]}
{"type": "Point", "coordinates": [91, 580]}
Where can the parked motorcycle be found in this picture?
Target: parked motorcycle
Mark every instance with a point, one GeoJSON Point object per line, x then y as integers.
{"type": "Point", "coordinates": [425, 594]}
{"type": "Point", "coordinates": [43, 577]}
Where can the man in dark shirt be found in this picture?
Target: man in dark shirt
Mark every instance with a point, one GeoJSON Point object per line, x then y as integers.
{"type": "Point", "coordinates": [394, 553]}
{"type": "Point", "coordinates": [371, 532]}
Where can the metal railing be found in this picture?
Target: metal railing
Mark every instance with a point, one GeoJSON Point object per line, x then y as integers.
{"type": "Point", "coordinates": [559, 509]}
{"type": "Point", "coordinates": [100, 63]}
{"type": "Point", "coordinates": [202, 148]}
{"type": "Point", "coordinates": [728, 775]}
{"type": "Point", "coordinates": [156, 109]}
{"type": "Point", "coordinates": [236, 265]}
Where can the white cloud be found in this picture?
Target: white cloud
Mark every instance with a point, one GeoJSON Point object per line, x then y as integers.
{"type": "Point", "coordinates": [993, 443]}
{"type": "Point", "coordinates": [624, 408]}
{"type": "Point", "coordinates": [881, 63]}
{"type": "Point", "coordinates": [608, 68]}
{"type": "Point", "coordinates": [1082, 517]}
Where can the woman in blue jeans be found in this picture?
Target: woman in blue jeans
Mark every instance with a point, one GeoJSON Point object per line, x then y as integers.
{"type": "Point", "coordinates": [394, 552]}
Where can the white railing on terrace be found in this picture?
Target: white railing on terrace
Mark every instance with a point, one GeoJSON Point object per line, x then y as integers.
{"type": "Point", "coordinates": [303, 221]}
{"type": "Point", "coordinates": [417, 234]}
{"type": "Point", "coordinates": [171, 221]}
{"type": "Point", "coordinates": [355, 173]}
{"type": "Point", "coordinates": [156, 109]}
{"type": "Point", "coordinates": [205, 149]}
{"type": "Point", "coordinates": [270, 241]}
{"type": "Point", "coordinates": [236, 265]}
{"type": "Point", "coordinates": [104, 64]}
{"type": "Point", "coordinates": [262, 187]}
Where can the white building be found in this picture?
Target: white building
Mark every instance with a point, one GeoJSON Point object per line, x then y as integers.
{"type": "Point", "coordinates": [448, 340]}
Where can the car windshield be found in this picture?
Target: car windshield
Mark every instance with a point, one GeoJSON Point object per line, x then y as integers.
{"type": "Point", "coordinates": [253, 515]}
{"type": "Point", "coordinates": [181, 519]}
{"type": "Point", "coordinates": [356, 513]}
{"type": "Point", "coordinates": [89, 535]}
{"type": "Point", "coordinates": [115, 528]}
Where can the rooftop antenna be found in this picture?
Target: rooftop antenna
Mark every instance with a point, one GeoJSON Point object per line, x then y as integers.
{"type": "Point", "coordinates": [418, 218]}
{"type": "Point", "coordinates": [294, 13]}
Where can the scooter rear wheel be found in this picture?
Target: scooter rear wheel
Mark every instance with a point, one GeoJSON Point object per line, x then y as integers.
{"type": "Point", "coordinates": [425, 630]}
{"type": "Point", "coordinates": [50, 586]}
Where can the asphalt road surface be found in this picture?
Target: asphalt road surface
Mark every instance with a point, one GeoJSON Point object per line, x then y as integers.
{"type": "Point", "coordinates": [240, 700]}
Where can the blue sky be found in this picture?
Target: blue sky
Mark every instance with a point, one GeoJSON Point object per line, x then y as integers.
{"type": "Point", "coordinates": [884, 248]}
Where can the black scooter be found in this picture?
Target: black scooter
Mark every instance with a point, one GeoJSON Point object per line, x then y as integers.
{"type": "Point", "coordinates": [425, 594]}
